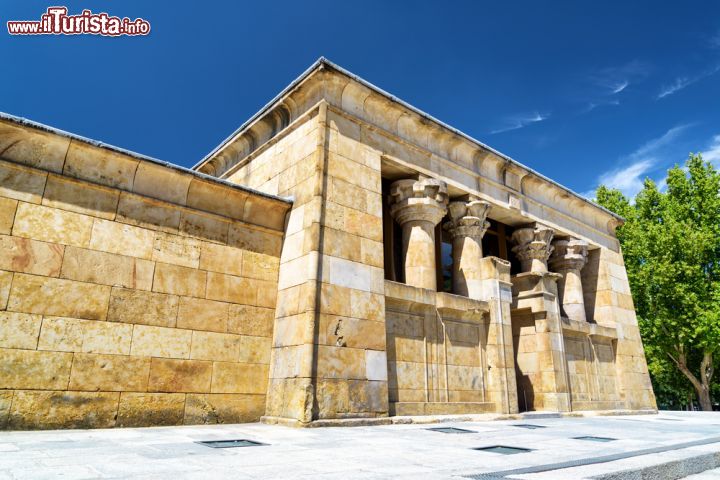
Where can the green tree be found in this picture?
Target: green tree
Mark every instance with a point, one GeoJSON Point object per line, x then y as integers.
{"type": "Point", "coordinates": [671, 245]}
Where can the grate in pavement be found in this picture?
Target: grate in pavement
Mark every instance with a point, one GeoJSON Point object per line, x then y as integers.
{"type": "Point", "coordinates": [230, 443]}
{"type": "Point", "coordinates": [595, 439]}
{"type": "Point", "coordinates": [450, 430]}
{"type": "Point", "coordinates": [504, 450]}
{"type": "Point", "coordinates": [529, 426]}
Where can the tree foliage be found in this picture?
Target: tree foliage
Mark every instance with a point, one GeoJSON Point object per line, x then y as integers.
{"type": "Point", "coordinates": [671, 245]}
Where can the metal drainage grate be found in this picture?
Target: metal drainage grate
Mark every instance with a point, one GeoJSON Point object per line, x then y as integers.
{"type": "Point", "coordinates": [502, 449]}
{"type": "Point", "coordinates": [529, 426]}
{"type": "Point", "coordinates": [450, 430]}
{"type": "Point", "coordinates": [671, 419]}
{"type": "Point", "coordinates": [230, 443]}
{"type": "Point", "coordinates": [595, 439]}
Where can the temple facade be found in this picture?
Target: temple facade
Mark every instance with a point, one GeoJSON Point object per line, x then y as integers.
{"type": "Point", "coordinates": [341, 258]}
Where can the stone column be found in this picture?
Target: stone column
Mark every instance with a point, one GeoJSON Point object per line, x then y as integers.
{"type": "Point", "coordinates": [568, 258]}
{"type": "Point", "coordinates": [418, 206]}
{"type": "Point", "coordinates": [532, 248]}
{"type": "Point", "coordinates": [467, 226]}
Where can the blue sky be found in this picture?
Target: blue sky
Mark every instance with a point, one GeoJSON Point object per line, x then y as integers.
{"type": "Point", "coordinates": [584, 92]}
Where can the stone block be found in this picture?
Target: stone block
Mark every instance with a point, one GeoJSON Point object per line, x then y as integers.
{"type": "Point", "coordinates": [332, 398]}
{"type": "Point", "coordinates": [7, 214]}
{"type": "Point", "coordinates": [140, 307]}
{"type": "Point", "coordinates": [367, 305]}
{"type": "Point", "coordinates": [21, 183]}
{"type": "Point", "coordinates": [150, 409]}
{"type": "Point", "coordinates": [221, 258]}
{"type": "Point", "coordinates": [180, 280]}
{"type": "Point", "coordinates": [239, 378]}
{"type": "Point", "coordinates": [158, 181]}
{"type": "Point", "coordinates": [109, 373]}
{"type": "Point", "coordinates": [67, 194]}
{"type": "Point", "coordinates": [352, 332]}
{"type": "Point", "coordinates": [266, 293]}
{"type": "Point", "coordinates": [168, 375]}
{"type": "Point", "coordinates": [5, 282]}
{"type": "Point", "coordinates": [265, 212]}
{"type": "Point", "coordinates": [376, 365]}
{"type": "Point", "coordinates": [177, 250]}
{"type": "Point", "coordinates": [251, 320]}
{"type": "Point", "coordinates": [223, 347]}
{"type": "Point", "coordinates": [30, 256]}
{"type": "Point", "coordinates": [256, 240]}
{"type": "Point", "coordinates": [342, 245]}
{"type": "Point", "coordinates": [52, 225]}
{"type": "Point", "coordinates": [294, 330]}
{"type": "Point", "coordinates": [107, 269]}
{"type": "Point", "coordinates": [260, 266]}
{"type": "Point", "coordinates": [255, 349]}
{"type": "Point", "coordinates": [223, 408]}
{"type": "Point", "coordinates": [368, 397]}
{"type": "Point", "coordinates": [204, 226]}
{"type": "Point", "coordinates": [88, 336]}
{"type": "Point", "coordinates": [57, 297]}
{"type": "Point", "coordinates": [148, 213]}
{"type": "Point", "coordinates": [229, 288]}
{"type": "Point", "coordinates": [19, 330]}
{"type": "Point", "coordinates": [100, 166]}
{"type": "Point", "coordinates": [206, 315]}
{"type": "Point", "coordinates": [52, 410]}
{"type": "Point", "coordinates": [29, 369]}
{"type": "Point", "coordinates": [161, 342]}
{"type": "Point", "coordinates": [211, 197]}
{"type": "Point", "coordinates": [341, 362]}
{"type": "Point", "coordinates": [6, 397]}
{"type": "Point", "coordinates": [371, 253]}
{"type": "Point", "coordinates": [122, 239]}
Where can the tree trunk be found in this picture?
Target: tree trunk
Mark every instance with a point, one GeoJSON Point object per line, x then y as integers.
{"type": "Point", "coordinates": [702, 386]}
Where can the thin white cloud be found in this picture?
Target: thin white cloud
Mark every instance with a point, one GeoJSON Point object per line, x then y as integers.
{"type": "Point", "coordinates": [517, 122]}
{"type": "Point", "coordinates": [620, 87]}
{"type": "Point", "coordinates": [715, 40]}
{"type": "Point", "coordinates": [684, 82]}
{"type": "Point", "coordinates": [593, 105]}
{"type": "Point", "coordinates": [712, 154]}
{"type": "Point", "coordinates": [637, 165]}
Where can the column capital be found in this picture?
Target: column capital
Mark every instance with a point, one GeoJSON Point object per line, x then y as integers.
{"type": "Point", "coordinates": [568, 254]}
{"type": "Point", "coordinates": [533, 247]}
{"type": "Point", "coordinates": [468, 219]}
{"type": "Point", "coordinates": [418, 200]}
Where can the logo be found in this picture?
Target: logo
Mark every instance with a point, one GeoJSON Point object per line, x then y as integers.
{"type": "Point", "coordinates": [56, 21]}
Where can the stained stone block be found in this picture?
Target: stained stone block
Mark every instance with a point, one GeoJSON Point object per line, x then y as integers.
{"type": "Point", "coordinates": [229, 288]}
{"type": "Point", "coordinates": [251, 320]}
{"type": "Point", "coordinates": [221, 258]}
{"type": "Point", "coordinates": [7, 214]}
{"type": "Point", "coordinates": [223, 347]}
{"type": "Point", "coordinates": [260, 241]}
{"type": "Point", "coordinates": [260, 266]}
{"type": "Point", "coordinates": [123, 239]}
{"type": "Point", "coordinates": [148, 178]}
{"type": "Point", "coordinates": [109, 373]}
{"type": "Point", "coordinates": [28, 369]}
{"type": "Point", "coordinates": [169, 375]}
{"type": "Point", "coordinates": [30, 256]}
{"type": "Point", "coordinates": [33, 294]}
{"type": "Point", "coordinates": [107, 269]}
{"type": "Point", "coordinates": [150, 409]}
{"type": "Point", "coordinates": [223, 408]}
{"type": "Point", "coordinates": [255, 350]}
{"type": "Point", "coordinates": [161, 342]}
{"type": "Point", "coordinates": [115, 169]}
{"type": "Point", "coordinates": [206, 315]}
{"type": "Point", "coordinates": [60, 409]}
{"type": "Point", "coordinates": [19, 330]}
{"type": "Point", "coordinates": [179, 280]}
{"type": "Point", "coordinates": [145, 212]}
{"type": "Point", "coordinates": [68, 194]}
{"type": "Point", "coordinates": [21, 183]}
{"type": "Point", "coordinates": [89, 336]}
{"type": "Point", "coordinates": [204, 226]}
{"type": "Point", "coordinates": [239, 378]}
{"type": "Point", "coordinates": [341, 362]}
{"type": "Point", "coordinates": [146, 308]}
{"type": "Point", "coordinates": [52, 225]}
{"type": "Point", "coordinates": [5, 282]}
{"type": "Point", "coordinates": [6, 397]}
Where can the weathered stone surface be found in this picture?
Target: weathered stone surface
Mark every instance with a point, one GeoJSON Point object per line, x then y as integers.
{"type": "Point", "coordinates": [89, 336]}
{"type": "Point", "coordinates": [159, 182]}
{"type": "Point", "coordinates": [149, 409]}
{"type": "Point", "coordinates": [107, 269]}
{"type": "Point", "coordinates": [224, 347]}
{"type": "Point", "coordinates": [146, 308]}
{"type": "Point", "coordinates": [145, 212]}
{"type": "Point", "coordinates": [168, 375]}
{"type": "Point", "coordinates": [109, 373]}
{"type": "Point", "coordinates": [32, 294]}
{"type": "Point", "coordinates": [221, 258]}
{"type": "Point", "coordinates": [239, 378]}
{"type": "Point", "coordinates": [52, 225]}
{"type": "Point", "coordinates": [7, 214]}
{"type": "Point", "coordinates": [206, 315]}
{"type": "Point", "coordinates": [28, 369]}
{"type": "Point", "coordinates": [229, 288]}
{"type": "Point", "coordinates": [21, 183]}
{"type": "Point", "coordinates": [180, 280]}
{"type": "Point", "coordinates": [255, 349]}
{"type": "Point", "coordinates": [113, 237]}
{"type": "Point", "coordinates": [6, 397]}
{"type": "Point", "coordinates": [177, 250]}
{"type": "Point", "coordinates": [254, 240]}
{"type": "Point", "coordinates": [114, 170]}
{"type": "Point", "coordinates": [204, 226]}
{"type": "Point", "coordinates": [68, 194]}
{"type": "Point", "coordinates": [223, 408]}
{"type": "Point", "coordinates": [30, 256]}
{"type": "Point", "coordinates": [19, 330]}
{"type": "Point", "coordinates": [251, 320]}
{"type": "Point", "coordinates": [5, 282]}
{"type": "Point", "coordinates": [46, 410]}
{"type": "Point", "coordinates": [161, 342]}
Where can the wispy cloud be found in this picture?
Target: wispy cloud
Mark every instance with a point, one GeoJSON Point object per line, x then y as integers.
{"type": "Point", "coordinates": [712, 153]}
{"type": "Point", "coordinates": [601, 103]}
{"type": "Point", "coordinates": [715, 40]}
{"type": "Point", "coordinates": [635, 167]}
{"type": "Point", "coordinates": [614, 80]}
{"type": "Point", "coordinates": [517, 122]}
{"type": "Point", "coordinates": [681, 83]}
{"type": "Point", "coordinates": [620, 87]}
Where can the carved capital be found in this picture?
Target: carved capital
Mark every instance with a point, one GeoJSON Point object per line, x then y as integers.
{"type": "Point", "coordinates": [532, 247]}
{"type": "Point", "coordinates": [418, 200]}
{"type": "Point", "coordinates": [569, 254]}
{"type": "Point", "coordinates": [467, 219]}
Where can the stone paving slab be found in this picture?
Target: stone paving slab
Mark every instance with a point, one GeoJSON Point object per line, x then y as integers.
{"type": "Point", "coordinates": [368, 452]}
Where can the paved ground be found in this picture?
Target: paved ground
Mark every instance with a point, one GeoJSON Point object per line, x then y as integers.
{"type": "Point", "coordinates": [395, 451]}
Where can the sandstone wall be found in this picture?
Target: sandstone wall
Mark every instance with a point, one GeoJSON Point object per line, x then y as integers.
{"type": "Point", "coordinates": [118, 309]}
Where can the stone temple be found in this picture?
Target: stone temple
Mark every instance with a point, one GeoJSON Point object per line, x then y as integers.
{"type": "Point", "coordinates": [341, 258]}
